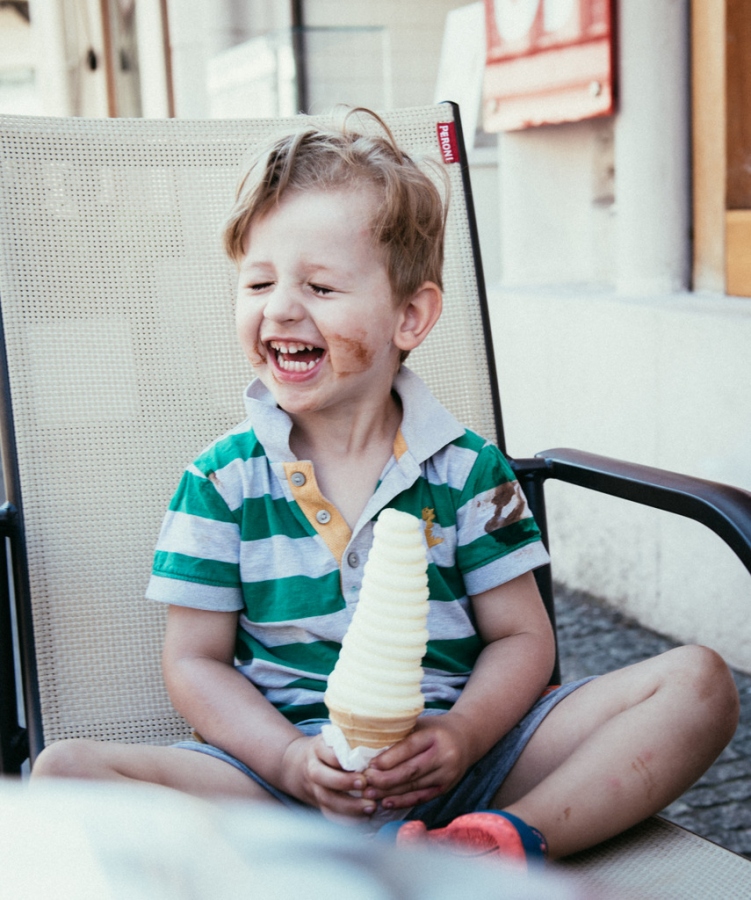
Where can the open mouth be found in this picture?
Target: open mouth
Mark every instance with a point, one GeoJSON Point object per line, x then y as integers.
{"type": "Point", "coordinates": [294, 357]}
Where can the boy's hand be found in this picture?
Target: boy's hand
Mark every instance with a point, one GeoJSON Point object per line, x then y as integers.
{"type": "Point", "coordinates": [313, 775]}
{"type": "Point", "coordinates": [428, 762]}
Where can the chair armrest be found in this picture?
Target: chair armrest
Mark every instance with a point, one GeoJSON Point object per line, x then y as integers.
{"type": "Point", "coordinates": [724, 509]}
{"type": "Point", "coordinates": [7, 518]}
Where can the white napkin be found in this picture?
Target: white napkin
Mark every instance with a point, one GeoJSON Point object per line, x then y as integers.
{"type": "Point", "coordinates": [357, 760]}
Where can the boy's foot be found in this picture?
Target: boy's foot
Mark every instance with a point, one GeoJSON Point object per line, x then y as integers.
{"type": "Point", "coordinates": [488, 834]}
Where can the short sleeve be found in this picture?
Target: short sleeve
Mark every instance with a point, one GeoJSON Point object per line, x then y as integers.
{"type": "Point", "coordinates": [197, 557]}
{"type": "Point", "coordinates": [497, 536]}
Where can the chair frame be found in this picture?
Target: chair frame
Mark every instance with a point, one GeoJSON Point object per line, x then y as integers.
{"type": "Point", "coordinates": [16, 629]}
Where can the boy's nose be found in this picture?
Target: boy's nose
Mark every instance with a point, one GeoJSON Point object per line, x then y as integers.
{"type": "Point", "coordinates": [283, 306]}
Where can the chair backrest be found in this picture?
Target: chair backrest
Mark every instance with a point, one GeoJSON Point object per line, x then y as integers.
{"type": "Point", "coordinates": [121, 363]}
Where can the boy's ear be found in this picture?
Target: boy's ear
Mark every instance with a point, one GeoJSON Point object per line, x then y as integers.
{"type": "Point", "coordinates": [418, 316]}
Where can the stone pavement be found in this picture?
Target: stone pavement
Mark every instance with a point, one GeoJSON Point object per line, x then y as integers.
{"type": "Point", "coordinates": [593, 640]}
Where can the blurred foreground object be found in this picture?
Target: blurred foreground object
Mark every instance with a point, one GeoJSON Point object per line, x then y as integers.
{"type": "Point", "coordinates": [81, 840]}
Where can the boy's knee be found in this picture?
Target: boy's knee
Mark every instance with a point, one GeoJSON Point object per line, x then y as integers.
{"type": "Point", "coordinates": [710, 683]}
{"type": "Point", "coordinates": [72, 758]}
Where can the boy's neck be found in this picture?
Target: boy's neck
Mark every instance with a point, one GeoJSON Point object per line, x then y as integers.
{"type": "Point", "coordinates": [348, 453]}
{"type": "Point", "coordinates": [328, 434]}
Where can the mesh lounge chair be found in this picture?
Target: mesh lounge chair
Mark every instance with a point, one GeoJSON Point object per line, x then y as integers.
{"type": "Point", "coordinates": [120, 363]}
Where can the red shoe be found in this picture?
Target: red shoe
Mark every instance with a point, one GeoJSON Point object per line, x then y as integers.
{"type": "Point", "coordinates": [473, 834]}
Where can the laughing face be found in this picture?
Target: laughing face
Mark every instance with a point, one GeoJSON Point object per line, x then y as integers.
{"type": "Point", "coordinates": [315, 312]}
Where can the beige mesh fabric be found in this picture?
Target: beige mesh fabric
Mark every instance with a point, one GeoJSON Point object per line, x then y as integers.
{"type": "Point", "coordinates": [658, 860]}
{"type": "Point", "coordinates": [117, 306]}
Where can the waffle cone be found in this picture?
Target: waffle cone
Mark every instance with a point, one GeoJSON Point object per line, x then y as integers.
{"type": "Point", "coordinates": [373, 731]}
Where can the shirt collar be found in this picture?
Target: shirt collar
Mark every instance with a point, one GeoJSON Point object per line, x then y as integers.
{"type": "Point", "coordinates": [272, 425]}
{"type": "Point", "coordinates": [427, 426]}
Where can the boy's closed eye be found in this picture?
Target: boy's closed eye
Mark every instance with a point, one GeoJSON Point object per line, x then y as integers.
{"type": "Point", "coordinates": [322, 291]}
{"type": "Point", "coordinates": [318, 289]}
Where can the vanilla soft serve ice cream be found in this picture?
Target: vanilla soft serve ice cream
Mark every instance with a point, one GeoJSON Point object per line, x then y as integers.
{"type": "Point", "coordinates": [374, 693]}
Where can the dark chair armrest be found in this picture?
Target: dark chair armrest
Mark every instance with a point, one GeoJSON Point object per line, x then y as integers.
{"type": "Point", "coordinates": [724, 509]}
{"type": "Point", "coordinates": [7, 519]}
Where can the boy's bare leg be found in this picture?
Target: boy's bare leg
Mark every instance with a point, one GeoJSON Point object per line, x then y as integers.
{"type": "Point", "coordinates": [622, 747]}
{"type": "Point", "coordinates": [184, 770]}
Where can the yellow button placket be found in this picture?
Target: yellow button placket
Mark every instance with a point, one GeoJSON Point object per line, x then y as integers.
{"type": "Point", "coordinates": [322, 515]}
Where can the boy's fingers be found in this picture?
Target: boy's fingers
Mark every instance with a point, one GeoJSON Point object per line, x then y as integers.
{"type": "Point", "coordinates": [411, 746]}
{"type": "Point", "coordinates": [341, 804]}
{"type": "Point", "coordinates": [408, 777]}
{"type": "Point", "coordinates": [341, 794]}
{"type": "Point", "coordinates": [404, 801]}
{"type": "Point", "coordinates": [326, 754]}
{"type": "Point", "coordinates": [335, 779]}
{"type": "Point", "coordinates": [351, 781]}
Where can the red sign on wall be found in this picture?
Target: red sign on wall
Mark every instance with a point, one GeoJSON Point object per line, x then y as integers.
{"type": "Point", "coordinates": [548, 61]}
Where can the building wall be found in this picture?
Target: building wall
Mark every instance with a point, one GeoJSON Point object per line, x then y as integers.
{"type": "Point", "coordinates": [602, 347]}
{"type": "Point", "coordinates": [64, 32]}
{"type": "Point", "coordinates": [557, 215]}
{"type": "Point", "coordinates": [658, 380]}
{"type": "Point", "coordinates": [18, 91]}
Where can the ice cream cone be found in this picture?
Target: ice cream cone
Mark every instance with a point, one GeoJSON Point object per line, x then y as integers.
{"type": "Point", "coordinates": [374, 691]}
{"type": "Point", "coordinates": [373, 731]}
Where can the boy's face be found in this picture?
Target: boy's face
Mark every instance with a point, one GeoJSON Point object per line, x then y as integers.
{"type": "Point", "coordinates": [315, 313]}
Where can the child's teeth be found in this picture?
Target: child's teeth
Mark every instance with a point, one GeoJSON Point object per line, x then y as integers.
{"type": "Point", "coordinates": [291, 348]}
{"type": "Point", "coordinates": [284, 351]}
{"type": "Point", "coordinates": [293, 365]}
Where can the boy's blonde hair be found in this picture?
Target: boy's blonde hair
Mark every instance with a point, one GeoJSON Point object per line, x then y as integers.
{"type": "Point", "coordinates": [410, 214]}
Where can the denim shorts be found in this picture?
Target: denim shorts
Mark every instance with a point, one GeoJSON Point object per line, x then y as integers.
{"type": "Point", "coordinates": [474, 792]}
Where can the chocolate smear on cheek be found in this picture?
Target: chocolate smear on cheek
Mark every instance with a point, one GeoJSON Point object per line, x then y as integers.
{"type": "Point", "coordinates": [352, 355]}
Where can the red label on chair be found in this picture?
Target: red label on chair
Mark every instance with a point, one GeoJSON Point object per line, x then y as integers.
{"type": "Point", "coordinates": [447, 141]}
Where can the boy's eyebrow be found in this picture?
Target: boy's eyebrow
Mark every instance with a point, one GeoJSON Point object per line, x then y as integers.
{"type": "Point", "coordinates": [253, 269]}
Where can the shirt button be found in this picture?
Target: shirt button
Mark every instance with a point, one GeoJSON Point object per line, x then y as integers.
{"type": "Point", "coordinates": [298, 479]}
{"type": "Point", "coordinates": [353, 560]}
{"type": "Point", "coordinates": [323, 516]}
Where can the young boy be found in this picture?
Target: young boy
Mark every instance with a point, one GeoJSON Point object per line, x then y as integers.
{"type": "Point", "coordinates": [338, 239]}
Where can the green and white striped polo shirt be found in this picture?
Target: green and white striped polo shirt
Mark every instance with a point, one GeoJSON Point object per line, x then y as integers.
{"type": "Point", "coordinates": [248, 530]}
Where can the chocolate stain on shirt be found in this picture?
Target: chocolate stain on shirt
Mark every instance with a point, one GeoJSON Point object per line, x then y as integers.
{"type": "Point", "coordinates": [506, 495]}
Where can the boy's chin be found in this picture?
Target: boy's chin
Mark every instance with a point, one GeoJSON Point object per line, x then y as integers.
{"type": "Point", "coordinates": [293, 399]}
